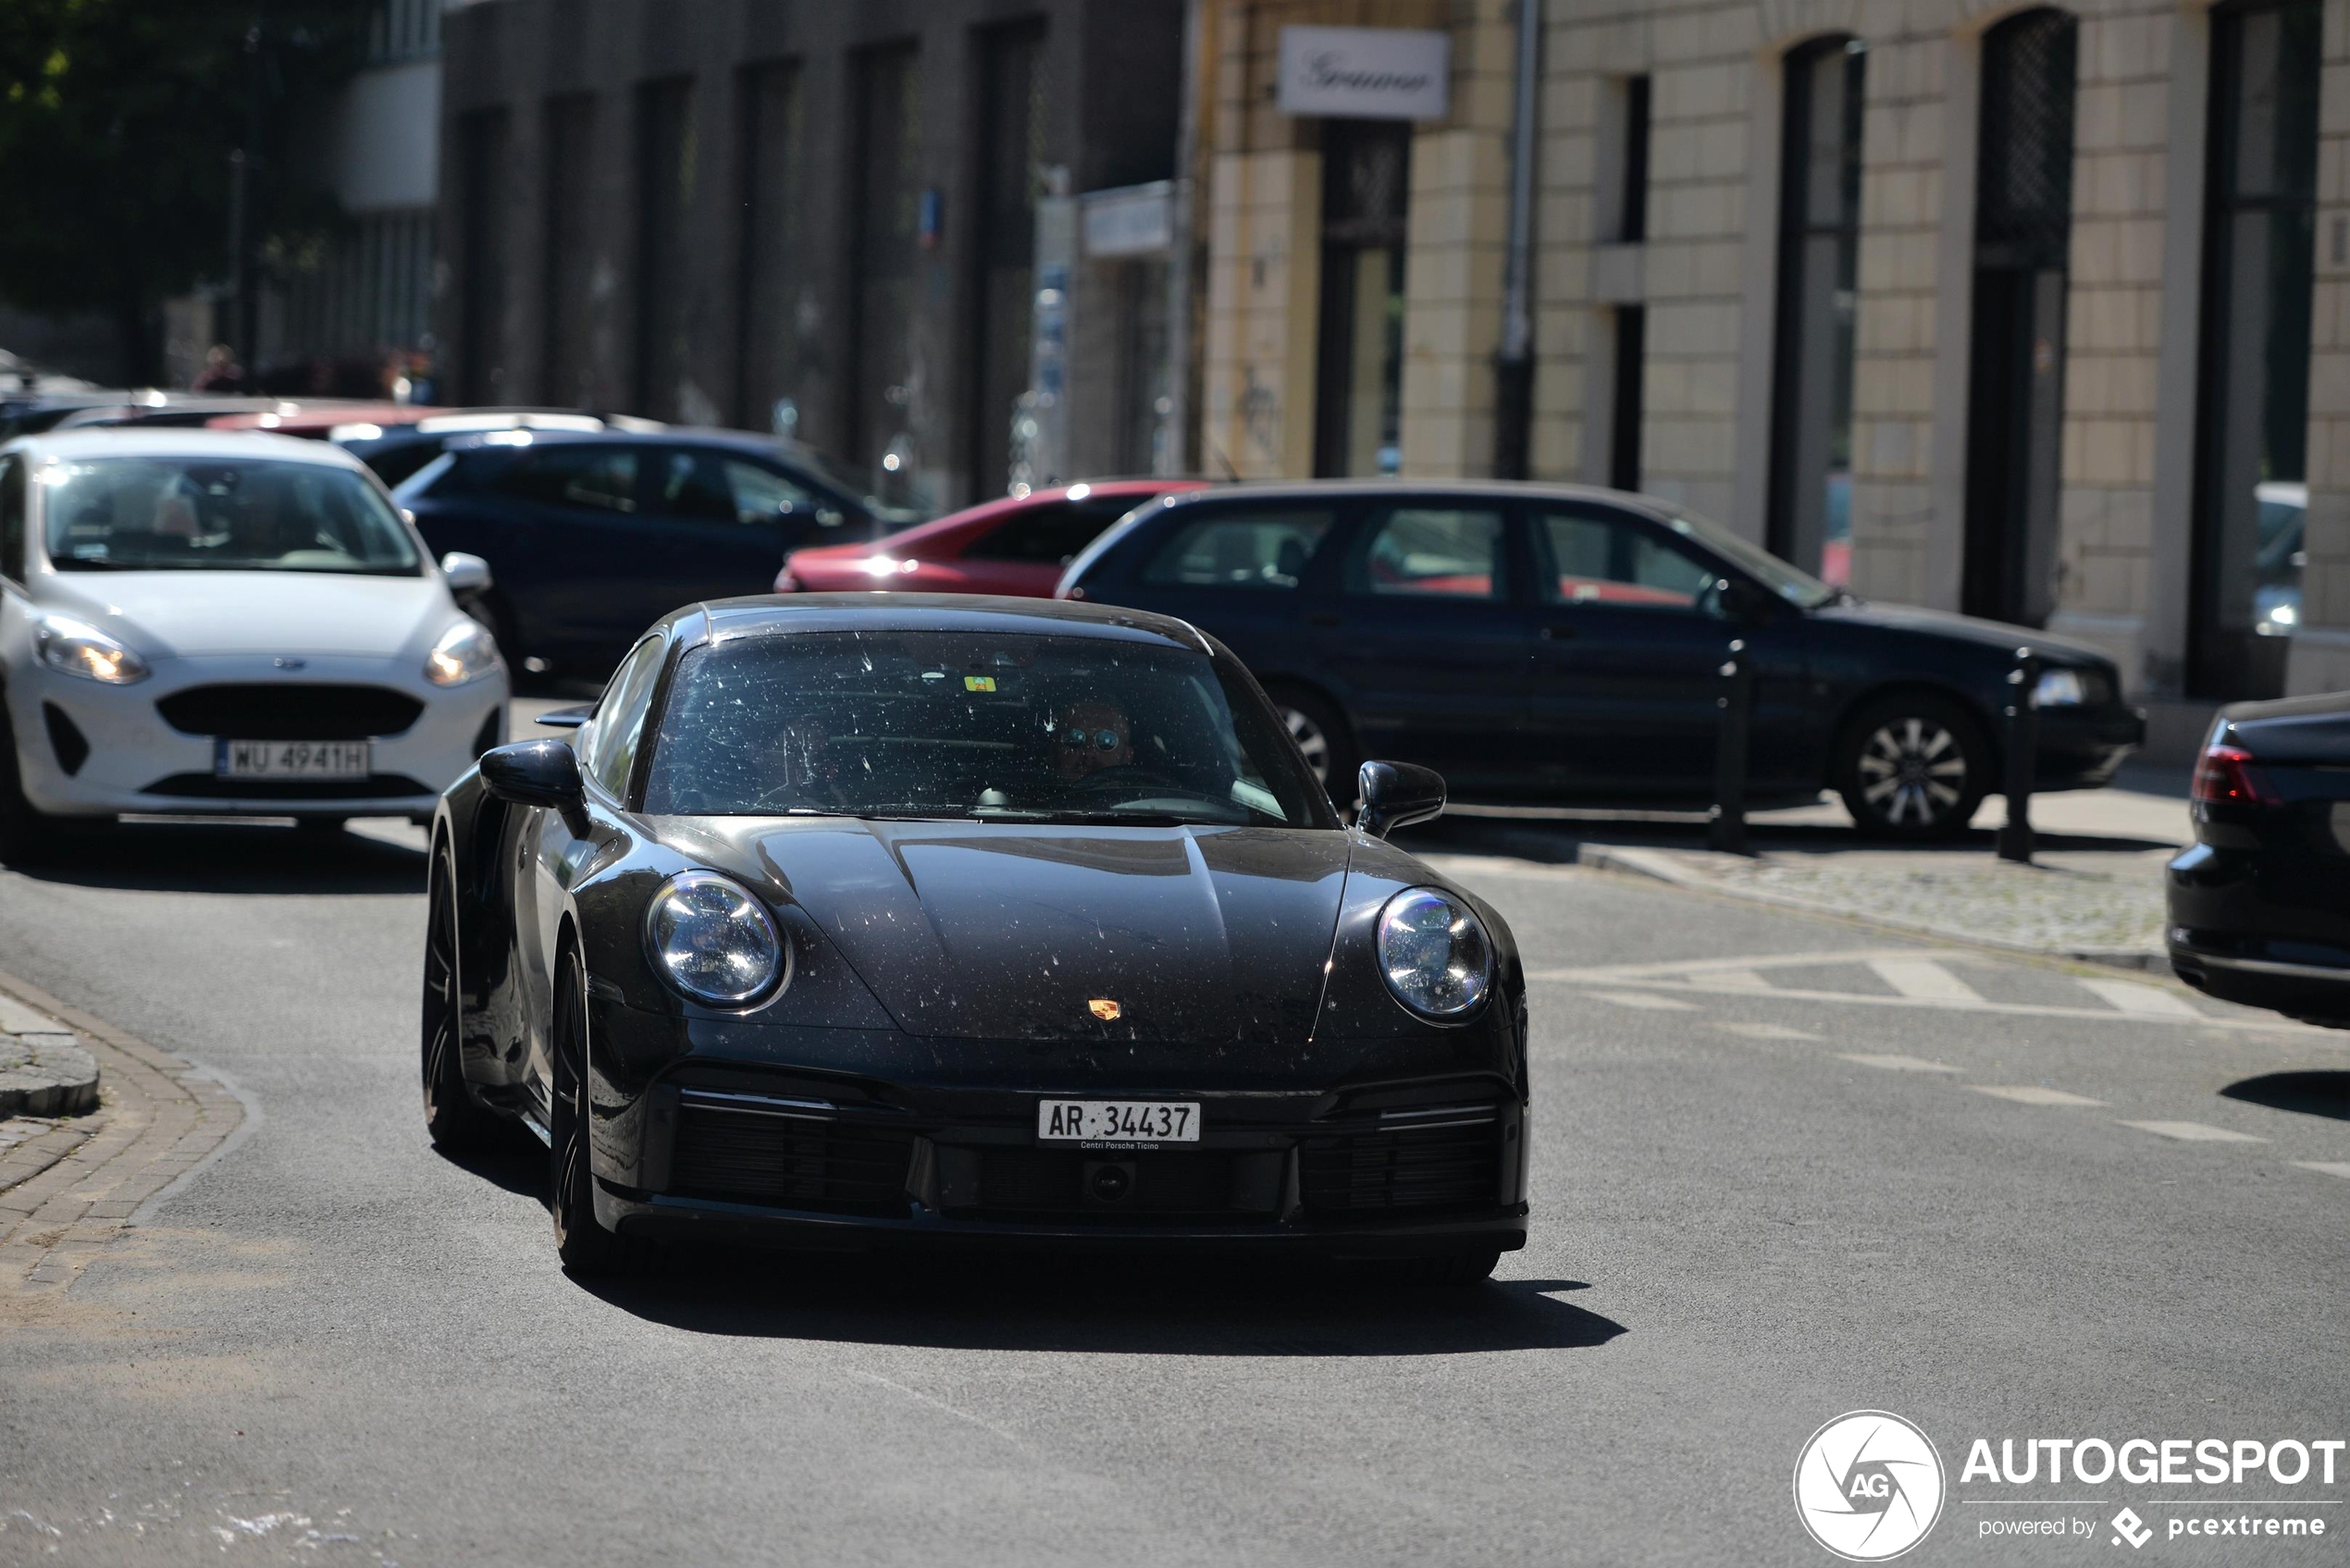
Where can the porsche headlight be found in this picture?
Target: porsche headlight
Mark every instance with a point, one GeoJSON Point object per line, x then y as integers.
{"type": "Point", "coordinates": [465, 652]}
{"type": "Point", "coordinates": [79, 649]}
{"type": "Point", "coordinates": [1434, 954]}
{"type": "Point", "coordinates": [714, 941]}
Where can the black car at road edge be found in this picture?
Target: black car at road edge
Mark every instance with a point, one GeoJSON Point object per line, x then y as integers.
{"type": "Point", "coordinates": [2260, 904]}
{"type": "Point", "coordinates": [1564, 645]}
{"type": "Point", "coordinates": [839, 904]}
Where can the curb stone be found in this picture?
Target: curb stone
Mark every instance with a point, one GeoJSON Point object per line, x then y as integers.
{"type": "Point", "coordinates": [72, 1187]}
{"type": "Point", "coordinates": [43, 1073]}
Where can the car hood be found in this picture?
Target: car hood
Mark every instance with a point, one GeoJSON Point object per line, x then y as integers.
{"type": "Point", "coordinates": [1997, 635]}
{"type": "Point", "coordinates": [189, 614]}
{"type": "Point", "coordinates": [1206, 935]}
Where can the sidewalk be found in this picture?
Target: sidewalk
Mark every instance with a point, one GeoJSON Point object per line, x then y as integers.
{"type": "Point", "coordinates": [2094, 891]}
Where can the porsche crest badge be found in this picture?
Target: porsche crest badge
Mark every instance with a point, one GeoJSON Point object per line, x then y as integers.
{"type": "Point", "coordinates": [1105, 1010]}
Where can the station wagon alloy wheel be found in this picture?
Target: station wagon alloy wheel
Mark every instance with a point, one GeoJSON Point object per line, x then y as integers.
{"type": "Point", "coordinates": [1310, 740]}
{"type": "Point", "coordinates": [1913, 767]}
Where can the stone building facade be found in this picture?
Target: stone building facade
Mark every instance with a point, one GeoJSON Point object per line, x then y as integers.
{"type": "Point", "coordinates": [2040, 313]}
{"type": "Point", "coordinates": [863, 226]}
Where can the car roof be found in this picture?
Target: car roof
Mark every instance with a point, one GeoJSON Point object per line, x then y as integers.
{"type": "Point", "coordinates": [223, 446]}
{"type": "Point", "coordinates": [996, 508]}
{"type": "Point", "coordinates": [870, 611]}
{"type": "Point", "coordinates": [732, 440]}
{"type": "Point", "coordinates": [1499, 490]}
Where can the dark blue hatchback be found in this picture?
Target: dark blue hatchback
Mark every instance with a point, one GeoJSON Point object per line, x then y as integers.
{"type": "Point", "coordinates": [1564, 645]}
{"type": "Point", "coordinates": [592, 536]}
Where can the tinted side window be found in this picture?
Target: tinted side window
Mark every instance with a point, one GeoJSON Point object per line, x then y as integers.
{"type": "Point", "coordinates": [1049, 535]}
{"type": "Point", "coordinates": [1428, 552]}
{"type": "Point", "coordinates": [1613, 560]}
{"type": "Point", "coordinates": [691, 485]}
{"type": "Point", "coordinates": [576, 476]}
{"type": "Point", "coordinates": [620, 717]}
{"type": "Point", "coordinates": [761, 495]}
{"type": "Point", "coordinates": [1267, 548]}
{"type": "Point", "coordinates": [12, 563]}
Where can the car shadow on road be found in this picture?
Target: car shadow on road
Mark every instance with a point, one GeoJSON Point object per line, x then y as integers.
{"type": "Point", "coordinates": [1561, 842]}
{"type": "Point", "coordinates": [226, 858]}
{"type": "Point", "coordinates": [1040, 1301]}
{"type": "Point", "coordinates": [2311, 1094]}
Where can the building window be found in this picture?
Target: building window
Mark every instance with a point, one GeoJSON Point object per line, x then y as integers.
{"type": "Point", "coordinates": [1366, 170]}
{"type": "Point", "coordinates": [1624, 410]}
{"type": "Point", "coordinates": [1013, 104]}
{"type": "Point", "coordinates": [888, 127]}
{"type": "Point", "coordinates": [567, 372]}
{"type": "Point", "coordinates": [1811, 500]}
{"type": "Point", "coordinates": [482, 202]}
{"type": "Point", "coordinates": [1632, 220]}
{"type": "Point", "coordinates": [665, 160]}
{"type": "Point", "coordinates": [771, 278]}
{"type": "Point", "coordinates": [2015, 406]}
{"type": "Point", "coordinates": [2258, 256]}
{"type": "Point", "coordinates": [403, 30]}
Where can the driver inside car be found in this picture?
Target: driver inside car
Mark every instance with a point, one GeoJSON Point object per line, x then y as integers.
{"type": "Point", "coordinates": [1094, 735]}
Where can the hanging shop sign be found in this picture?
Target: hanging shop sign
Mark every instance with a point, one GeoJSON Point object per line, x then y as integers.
{"type": "Point", "coordinates": [1366, 72]}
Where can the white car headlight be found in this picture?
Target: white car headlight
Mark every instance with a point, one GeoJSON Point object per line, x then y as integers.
{"type": "Point", "coordinates": [2060, 688]}
{"type": "Point", "coordinates": [79, 649]}
{"type": "Point", "coordinates": [1434, 954]}
{"type": "Point", "coordinates": [714, 941]}
{"type": "Point", "coordinates": [465, 652]}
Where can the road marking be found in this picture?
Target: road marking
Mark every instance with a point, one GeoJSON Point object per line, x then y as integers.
{"type": "Point", "coordinates": [2326, 1167]}
{"type": "Point", "coordinates": [1895, 1063]}
{"type": "Point", "coordinates": [1926, 979]}
{"type": "Point", "coordinates": [2193, 1132]}
{"type": "Point", "coordinates": [2143, 1000]}
{"type": "Point", "coordinates": [1735, 980]}
{"type": "Point", "coordinates": [1767, 1031]}
{"type": "Point", "coordinates": [1644, 1000]}
{"type": "Point", "coordinates": [2033, 1094]}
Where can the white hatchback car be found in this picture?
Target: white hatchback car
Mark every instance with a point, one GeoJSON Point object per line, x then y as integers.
{"type": "Point", "coordinates": [211, 624]}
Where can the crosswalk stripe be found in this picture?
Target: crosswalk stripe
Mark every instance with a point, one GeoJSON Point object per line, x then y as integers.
{"type": "Point", "coordinates": [1767, 1031]}
{"type": "Point", "coordinates": [1732, 980]}
{"type": "Point", "coordinates": [2135, 996]}
{"type": "Point", "coordinates": [2033, 1094]}
{"type": "Point", "coordinates": [2193, 1132]}
{"type": "Point", "coordinates": [1925, 979]}
{"type": "Point", "coordinates": [1648, 1000]}
{"type": "Point", "coordinates": [2326, 1167]}
{"type": "Point", "coordinates": [1892, 1063]}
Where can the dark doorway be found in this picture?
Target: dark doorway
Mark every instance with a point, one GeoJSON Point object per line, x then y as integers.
{"type": "Point", "coordinates": [1627, 407]}
{"type": "Point", "coordinates": [2260, 254]}
{"type": "Point", "coordinates": [881, 265]}
{"type": "Point", "coordinates": [771, 282]}
{"type": "Point", "coordinates": [2015, 405]}
{"type": "Point", "coordinates": [665, 163]}
{"type": "Point", "coordinates": [1012, 128]}
{"type": "Point", "coordinates": [1358, 403]}
{"type": "Point", "coordinates": [1811, 505]}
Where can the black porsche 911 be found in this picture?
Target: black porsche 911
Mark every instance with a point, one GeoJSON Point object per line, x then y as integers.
{"type": "Point", "coordinates": [847, 919]}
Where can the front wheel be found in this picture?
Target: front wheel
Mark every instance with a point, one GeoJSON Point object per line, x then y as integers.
{"type": "Point", "coordinates": [1913, 766]}
{"type": "Point", "coordinates": [586, 1248]}
{"type": "Point", "coordinates": [457, 1123]}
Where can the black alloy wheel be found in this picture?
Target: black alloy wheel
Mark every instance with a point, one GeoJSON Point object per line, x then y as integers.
{"type": "Point", "coordinates": [1323, 738]}
{"type": "Point", "coordinates": [586, 1248]}
{"type": "Point", "coordinates": [1913, 766]}
{"type": "Point", "coordinates": [457, 1123]}
{"type": "Point", "coordinates": [25, 835]}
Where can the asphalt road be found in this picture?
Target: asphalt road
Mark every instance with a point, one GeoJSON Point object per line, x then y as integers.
{"type": "Point", "coordinates": [335, 1346]}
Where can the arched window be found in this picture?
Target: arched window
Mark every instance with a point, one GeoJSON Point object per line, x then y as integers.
{"type": "Point", "coordinates": [2015, 405]}
{"type": "Point", "coordinates": [2260, 251]}
{"type": "Point", "coordinates": [1811, 502]}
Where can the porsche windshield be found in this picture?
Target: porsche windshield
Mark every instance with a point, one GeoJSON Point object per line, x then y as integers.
{"type": "Point", "coordinates": [1012, 728]}
{"type": "Point", "coordinates": [191, 514]}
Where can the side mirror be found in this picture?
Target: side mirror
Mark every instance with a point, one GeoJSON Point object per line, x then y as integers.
{"type": "Point", "coordinates": [466, 573]}
{"type": "Point", "coordinates": [538, 772]}
{"type": "Point", "coordinates": [1396, 795]}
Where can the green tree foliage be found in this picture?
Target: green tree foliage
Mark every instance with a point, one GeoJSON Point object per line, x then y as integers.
{"type": "Point", "coordinates": [117, 123]}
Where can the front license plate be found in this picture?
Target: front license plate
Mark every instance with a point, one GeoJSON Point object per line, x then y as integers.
{"type": "Point", "coordinates": [1117, 1122]}
{"type": "Point", "coordinates": [292, 759]}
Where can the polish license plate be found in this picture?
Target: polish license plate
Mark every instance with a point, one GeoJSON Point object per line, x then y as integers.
{"type": "Point", "coordinates": [1117, 1122]}
{"type": "Point", "coordinates": [295, 761]}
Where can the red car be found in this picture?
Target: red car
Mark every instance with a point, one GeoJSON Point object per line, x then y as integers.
{"type": "Point", "coordinates": [1014, 546]}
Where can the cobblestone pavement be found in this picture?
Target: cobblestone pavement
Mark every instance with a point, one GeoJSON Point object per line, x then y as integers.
{"type": "Point", "coordinates": [69, 1184]}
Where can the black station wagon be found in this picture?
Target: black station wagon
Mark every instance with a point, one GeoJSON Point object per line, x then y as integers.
{"type": "Point", "coordinates": [1565, 645]}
